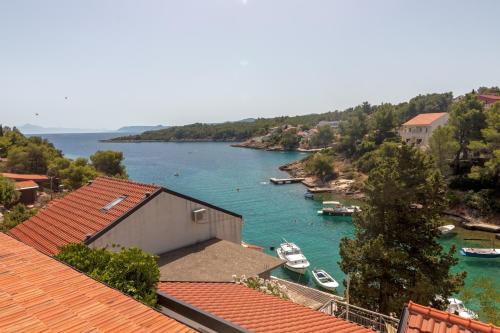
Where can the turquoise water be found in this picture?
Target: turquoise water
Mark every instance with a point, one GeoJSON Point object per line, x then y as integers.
{"type": "Point", "coordinates": [213, 172]}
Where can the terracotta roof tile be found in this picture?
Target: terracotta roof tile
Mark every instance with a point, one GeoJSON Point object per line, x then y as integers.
{"type": "Point", "coordinates": [22, 176]}
{"type": "Point", "coordinates": [423, 319]}
{"type": "Point", "coordinates": [256, 311]}
{"type": "Point", "coordinates": [424, 119]}
{"type": "Point", "coordinates": [79, 213]}
{"type": "Point", "coordinates": [489, 99]}
{"type": "Point", "coordinates": [41, 294]}
{"type": "Point", "coordinates": [26, 184]}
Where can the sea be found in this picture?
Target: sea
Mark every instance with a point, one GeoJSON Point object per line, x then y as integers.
{"type": "Point", "coordinates": [237, 179]}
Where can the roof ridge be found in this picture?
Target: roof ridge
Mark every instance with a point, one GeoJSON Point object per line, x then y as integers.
{"type": "Point", "coordinates": [129, 181]}
{"type": "Point", "coordinates": [451, 318]}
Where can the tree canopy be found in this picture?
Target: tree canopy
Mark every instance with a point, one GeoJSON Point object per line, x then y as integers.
{"type": "Point", "coordinates": [129, 270]}
{"type": "Point", "coordinates": [395, 256]}
{"type": "Point", "coordinates": [8, 193]}
{"type": "Point", "coordinates": [109, 163]}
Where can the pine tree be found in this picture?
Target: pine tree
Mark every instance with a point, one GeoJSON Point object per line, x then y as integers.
{"type": "Point", "coordinates": [395, 256]}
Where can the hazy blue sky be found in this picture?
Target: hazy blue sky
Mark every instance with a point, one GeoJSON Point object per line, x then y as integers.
{"type": "Point", "coordinates": [177, 62]}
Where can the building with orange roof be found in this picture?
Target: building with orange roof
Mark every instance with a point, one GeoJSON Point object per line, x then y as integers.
{"type": "Point", "coordinates": [422, 319]}
{"type": "Point", "coordinates": [489, 100]}
{"type": "Point", "coordinates": [28, 191]}
{"type": "Point", "coordinates": [418, 130]}
{"type": "Point", "coordinates": [116, 211]}
{"type": "Point", "coordinates": [41, 294]}
{"type": "Point", "coordinates": [247, 310]}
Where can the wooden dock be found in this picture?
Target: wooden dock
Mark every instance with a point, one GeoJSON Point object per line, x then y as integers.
{"type": "Point", "coordinates": [482, 226]}
{"type": "Point", "coordinates": [322, 190]}
{"type": "Point", "coordinates": [282, 181]}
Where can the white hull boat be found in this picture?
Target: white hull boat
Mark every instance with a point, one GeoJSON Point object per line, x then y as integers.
{"type": "Point", "coordinates": [337, 209]}
{"type": "Point", "coordinates": [446, 229]}
{"type": "Point", "coordinates": [293, 257]}
{"type": "Point", "coordinates": [324, 280]}
{"type": "Point", "coordinates": [457, 307]}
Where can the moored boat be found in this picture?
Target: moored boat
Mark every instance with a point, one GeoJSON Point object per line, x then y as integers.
{"type": "Point", "coordinates": [294, 259]}
{"type": "Point", "coordinates": [324, 280]}
{"type": "Point", "coordinates": [480, 252]}
{"type": "Point", "coordinates": [446, 229]}
{"type": "Point", "coordinates": [337, 209]}
{"type": "Point", "coordinates": [308, 195]}
{"type": "Point", "coordinates": [457, 307]}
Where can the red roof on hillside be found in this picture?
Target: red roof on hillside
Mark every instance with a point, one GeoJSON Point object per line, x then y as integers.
{"type": "Point", "coordinates": [489, 98]}
{"type": "Point", "coordinates": [423, 319]}
{"type": "Point", "coordinates": [256, 311]}
{"type": "Point", "coordinates": [80, 213]}
{"type": "Point", "coordinates": [21, 176]}
{"type": "Point", "coordinates": [26, 184]}
{"type": "Point", "coordinates": [41, 294]}
{"type": "Point", "coordinates": [424, 119]}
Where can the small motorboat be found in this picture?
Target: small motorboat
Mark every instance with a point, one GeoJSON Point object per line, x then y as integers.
{"type": "Point", "coordinates": [308, 195]}
{"type": "Point", "coordinates": [457, 307]}
{"type": "Point", "coordinates": [324, 280]}
{"type": "Point", "coordinates": [446, 229]}
{"type": "Point", "coordinates": [294, 259]}
{"type": "Point", "coordinates": [480, 252]}
{"type": "Point", "coordinates": [337, 209]}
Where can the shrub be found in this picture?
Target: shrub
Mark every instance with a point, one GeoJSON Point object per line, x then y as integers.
{"type": "Point", "coordinates": [19, 213]}
{"type": "Point", "coordinates": [265, 286]}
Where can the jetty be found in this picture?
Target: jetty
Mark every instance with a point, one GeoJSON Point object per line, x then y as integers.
{"type": "Point", "coordinates": [482, 226]}
{"type": "Point", "coordinates": [281, 181]}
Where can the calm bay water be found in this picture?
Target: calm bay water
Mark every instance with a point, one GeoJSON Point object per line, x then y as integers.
{"type": "Point", "coordinates": [214, 171]}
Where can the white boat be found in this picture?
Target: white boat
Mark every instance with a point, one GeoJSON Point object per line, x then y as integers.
{"type": "Point", "coordinates": [324, 280]}
{"type": "Point", "coordinates": [446, 229]}
{"type": "Point", "coordinates": [337, 209]}
{"type": "Point", "coordinates": [457, 307]}
{"type": "Point", "coordinates": [294, 259]}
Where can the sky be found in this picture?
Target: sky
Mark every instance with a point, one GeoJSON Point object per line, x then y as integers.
{"type": "Point", "coordinates": [105, 64]}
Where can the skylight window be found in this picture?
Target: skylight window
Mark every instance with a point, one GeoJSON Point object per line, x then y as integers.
{"type": "Point", "coordinates": [113, 203]}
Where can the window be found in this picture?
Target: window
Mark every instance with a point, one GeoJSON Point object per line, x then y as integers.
{"type": "Point", "coordinates": [113, 203]}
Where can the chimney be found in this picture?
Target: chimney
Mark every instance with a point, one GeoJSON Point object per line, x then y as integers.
{"type": "Point", "coordinates": [89, 182]}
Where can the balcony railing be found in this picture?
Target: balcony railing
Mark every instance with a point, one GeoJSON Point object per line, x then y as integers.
{"type": "Point", "coordinates": [367, 318]}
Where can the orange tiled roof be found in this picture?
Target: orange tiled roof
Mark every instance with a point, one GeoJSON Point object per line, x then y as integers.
{"type": "Point", "coordinates": [78, 214]}
{"type": "Point", "coordinates": [256, 311]}
{"type": "Point", "coordinates": [423, 319]}
{"type": "Point", "coordinates": [26, 184]}
{"type": "Point", "coordinates": [20, 176]}
{"type": "Point", "coordinates": [40, 294]}
{"type": "Point", "coordinates": [489, 98]}
{"type": "Point", "coordinates": [424, 119]}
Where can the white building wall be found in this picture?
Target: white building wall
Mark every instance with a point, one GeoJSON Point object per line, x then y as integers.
{"type": "Point", "coordinates": [165, 224]}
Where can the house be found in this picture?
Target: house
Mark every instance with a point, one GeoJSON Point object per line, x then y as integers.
{"type": "Point", "coordinates": [332, 124]}
{"type": "Point", "coordinates": [489, 100]}
{"type": "Point", "coordinates": [422, 319]}
{"type": "Point", "coordinates": [418, 130]}
{"type": "Point", "coordinates": [231, 307]}
{"type": "Point", "coordinates": [28, 191]}
{"type": "Point", "coordinates": [41, 180]}
{"type": "Point", "coordinates": [111, 211]}
{"type": "Point", "coordinates": [193, 239]}
{"type": "Point", "coordinates": [41, 294]}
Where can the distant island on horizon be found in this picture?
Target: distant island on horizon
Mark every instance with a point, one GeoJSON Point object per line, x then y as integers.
{"type": "Point", "coordinates": [31, 129]}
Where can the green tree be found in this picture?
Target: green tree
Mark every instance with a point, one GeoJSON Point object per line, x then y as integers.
{"type": "Point", "coordinates": [109, 163]}
{"type": "Point", "coordinates": [130, 270]}
{"type": "Point", "coordinates": [290, 140]}
{"type": "Point", "coordinates": [353, 130]}
{"type": "Point", "coordinates": [467, 120]}
{"type": "Point", "coordinates": [490, 148]}
{"type": "Point", "coordinates": [321, 165]}
{"type": "Point", "coordinates": [442, 147]}
{"type": "Point", "coordinates": [323, 138]}
{"type": "Point", "coordinates": [383, 123]}
{"type": "Point", "coordinates": [27, 159]}
{"type": "Point", "coordinates": [8, 193]}
{"type": "Point", "coordinates": [17, 214]}
{"type": "Point", "coordinates": [395, 256]}
{"type": "Point", "coordinates": [426, 104]}
{"type": "Point", "coordinates": [77, 174]}
{"type": "Point", "coordinates": [484, 290]}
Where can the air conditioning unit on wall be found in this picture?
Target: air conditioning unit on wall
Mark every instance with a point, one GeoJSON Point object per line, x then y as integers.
{"type": "Point", "coordinates": [199, 215]}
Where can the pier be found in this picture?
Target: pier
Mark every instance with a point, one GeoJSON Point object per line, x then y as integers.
{"type": "Point", "coordinates": [282, 181]}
